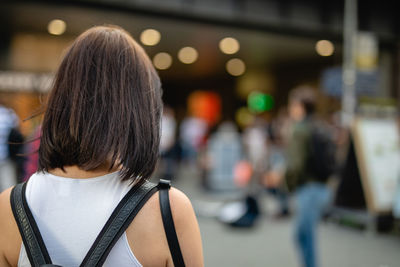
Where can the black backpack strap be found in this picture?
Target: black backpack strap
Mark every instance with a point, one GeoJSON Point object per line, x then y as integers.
{"type": "Point", "coordinates": [168, 221]}
{"type": "Point", "coordinates": [31, 237]}
{"type": "Point", "coordinates": [115, 226]}
{"type": "Point", "coordinates": [118, 222]}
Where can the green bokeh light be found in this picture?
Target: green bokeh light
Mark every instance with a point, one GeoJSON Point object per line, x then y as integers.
{"type": "Point", "coordinates": [260, 102]}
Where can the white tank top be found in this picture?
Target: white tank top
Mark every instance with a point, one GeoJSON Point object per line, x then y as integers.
{"type": "Point", "coordinates": [70, 213]}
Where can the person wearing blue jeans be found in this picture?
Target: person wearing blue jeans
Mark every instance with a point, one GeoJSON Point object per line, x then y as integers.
{"type": "Point", "coordinates": [303, 174]}
{"type": "Point", "coordinates": [312, 199]}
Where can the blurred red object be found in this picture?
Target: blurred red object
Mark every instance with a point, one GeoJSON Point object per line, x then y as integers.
{"type": "Point", "coordinates": [242, 173]}
{"type": "Point", "coordinates": [205, 105]}
{"type": "Point", "coordinates": [31, 164]}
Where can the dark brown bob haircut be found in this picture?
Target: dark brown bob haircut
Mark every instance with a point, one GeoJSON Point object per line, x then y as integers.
{"type": "Point", "coordinates": [104, 107]}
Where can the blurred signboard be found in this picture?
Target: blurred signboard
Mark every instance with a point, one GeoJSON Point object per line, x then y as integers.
{"type": "Point", "coordinates": [367, 51]}
{"type": "Point", "coordinates": [25, 81]}
{"type": "Point", "coordinates": [377, 147]}
{"type": "Point", "coordinates": [367, 74]}
{"type": "Point", "coordinates": [366, 82]}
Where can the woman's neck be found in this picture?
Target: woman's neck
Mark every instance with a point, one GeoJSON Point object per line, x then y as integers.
{"type": "Point", "coordinates": [76, 172]}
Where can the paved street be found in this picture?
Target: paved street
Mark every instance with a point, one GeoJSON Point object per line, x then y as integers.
{"type": "Point", "coordinates": [270, 242]}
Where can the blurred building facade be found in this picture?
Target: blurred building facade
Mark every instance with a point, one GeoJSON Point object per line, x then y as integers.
{"type": "Point", "coordinates": [277, 46]}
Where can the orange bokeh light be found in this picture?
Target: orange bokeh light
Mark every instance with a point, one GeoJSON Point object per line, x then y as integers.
{"type": "Point", "coordinates": [205, 105]}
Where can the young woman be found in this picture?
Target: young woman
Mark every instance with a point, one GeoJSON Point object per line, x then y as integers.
{"type": "Point", "coordinates": [100, 136]}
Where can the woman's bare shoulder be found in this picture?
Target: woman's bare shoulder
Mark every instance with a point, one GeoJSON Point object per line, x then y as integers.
{"type": "Point", "coordinates": [187, 228]}
{"type": "Point", "coordinates": [10, 240]}
{"type": "Point", "coordinates": [181, 208]}
{"type": "Point", "coordinates": [6, 215]}
{"type": "Point", "coordinates": [148, 227]}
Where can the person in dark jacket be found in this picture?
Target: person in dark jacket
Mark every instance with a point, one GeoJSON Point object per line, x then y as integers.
{"type": "Point", "coordinates": [311, 193]}
{"type": "Point", "coordinates": [16, 150]}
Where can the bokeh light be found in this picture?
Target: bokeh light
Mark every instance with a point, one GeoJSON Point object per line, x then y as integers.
{"type": "Point", "coordinates": [235, 67]}
{"type": "Point", "coordinates": [255, 80]}
{"type": "Point", "coordinates": [205, 105]}
{"type": "Point", "coordinates": [150, 37]}
{"type": "Point", "coordinates": [244, 117]}
{"type": "Point", "coordinates": [57, 27]}
{"type": "Point", "coordinates": [162, 61]}
{"type": "Point", "coordinates": [259, 102]}
{"type": "Point", "coordinates": [324, 48]}
{"type": "Point", "coordinates": [229, 45]}
{"type": "Point", "coordinates": [187, 55]}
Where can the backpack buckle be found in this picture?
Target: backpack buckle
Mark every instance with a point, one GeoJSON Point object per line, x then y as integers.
{"type": "Point", "coordinates": [164, 184]}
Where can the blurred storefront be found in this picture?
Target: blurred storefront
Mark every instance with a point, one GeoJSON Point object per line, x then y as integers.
{"type": "Point", "coordinates": [230, 48]}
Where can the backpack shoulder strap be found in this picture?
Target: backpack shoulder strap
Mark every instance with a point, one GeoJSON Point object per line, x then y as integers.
{"type": "Point", "coordinates": [168, 221]}
{"type": "Point", "coordinates": [115, 226]}
{"type": "Point", "coordinates": [118, 222]}
{"type": "Point", "coordinates": [31, 237]}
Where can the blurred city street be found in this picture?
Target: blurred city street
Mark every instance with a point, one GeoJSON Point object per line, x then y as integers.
{"type": "Point", "coordinates": [269, 243]}
{"type": "Point", "coordinates": [242, 104]}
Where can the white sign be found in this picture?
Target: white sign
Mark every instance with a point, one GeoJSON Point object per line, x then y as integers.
{"type": "Point", "coordinates": [378, 153]}
{"type": "Point", "coordinates": [367, 51]}
{"type": "Point", "coordinates": [25, 81]}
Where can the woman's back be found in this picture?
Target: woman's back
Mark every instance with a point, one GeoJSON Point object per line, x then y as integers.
{"type": "Point", "coordinates": [70, 213]}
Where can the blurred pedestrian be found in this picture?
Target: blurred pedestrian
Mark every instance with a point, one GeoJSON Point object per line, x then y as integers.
{"type": "Point", "coordinates": [168, 148]}
{"type": "Point", "coordinates": [224, 151]}
{"type": "Point", "coordinates": [16, 147]}
{"type": "Point", "coordinates": [8, 122]}
{"type": "Point", "coordinates": [192, 132]}
{"type": "Point", "coordinates": [255, 144]}
{"type": "Point", "coordinates": [273, 179]}
{"type": "Point", "coordinates": [303, 173]}
{"type": "Point", "coordinates": [99, 144]}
